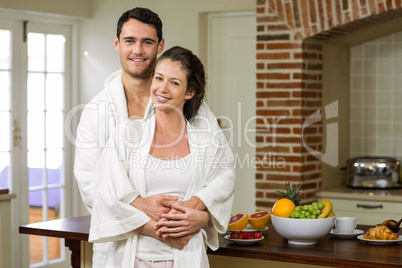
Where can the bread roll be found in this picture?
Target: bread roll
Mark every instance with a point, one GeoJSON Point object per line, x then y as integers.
{"type": "Point", "coordinates": [380, 233]}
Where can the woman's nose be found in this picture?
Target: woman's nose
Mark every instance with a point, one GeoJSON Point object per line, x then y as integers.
{"type": "Point", "coordinates": [163, 87]}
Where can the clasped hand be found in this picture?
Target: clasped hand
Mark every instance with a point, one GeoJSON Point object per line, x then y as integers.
{"type": "Point", "coordinates": [173, 221]}
{"type": "Point", "coordinates": [181, 221]}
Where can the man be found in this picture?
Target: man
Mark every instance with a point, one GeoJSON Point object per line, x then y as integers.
{"type": "Point", "coordinates": [126, 95]}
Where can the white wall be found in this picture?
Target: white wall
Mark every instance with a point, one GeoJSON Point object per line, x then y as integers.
{"type": "Point", "coordinates": [70, 8]}
{"type": "Point", "coordinates": [181, 24]}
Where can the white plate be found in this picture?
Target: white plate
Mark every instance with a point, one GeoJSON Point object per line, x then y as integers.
{"type": "Point", "coordinates": [380, 242]}
{"type": "Point", "coordinates": [243, 241]}
{"type": "Point", "coordinates": [250, 229]}
{"type": "Point", "coordinates": [355, 233]}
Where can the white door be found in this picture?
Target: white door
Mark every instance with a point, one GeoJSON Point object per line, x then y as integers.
{"type": "Point", "coordinates": [231, 71]}
{"type": "Point", "coordinates": [34, 86]}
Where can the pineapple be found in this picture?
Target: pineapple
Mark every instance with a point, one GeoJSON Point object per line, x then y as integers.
{"type": "Point", "coordinates": [292, 194]}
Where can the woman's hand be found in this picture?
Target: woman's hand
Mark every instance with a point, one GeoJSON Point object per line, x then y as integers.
{"type": "Point", "coordinates": [154, 206]}
{"type": "Point", "coordinates": [181, 221]}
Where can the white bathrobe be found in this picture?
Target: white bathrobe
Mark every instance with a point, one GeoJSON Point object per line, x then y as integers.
{"type": "Point", "coordinates": [120, 179]}
{"type": "Point", "coordinates": [99, 120]}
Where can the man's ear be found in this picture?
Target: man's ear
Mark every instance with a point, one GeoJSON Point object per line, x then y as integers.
{"type": "Point", "coordinates": [116, 43]}
{"type": "Point", "coordinates": [161, 46]}
{"type": "Point", "coordinates": [189, 94]}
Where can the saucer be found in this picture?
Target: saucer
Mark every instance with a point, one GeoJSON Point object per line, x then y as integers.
{"type": "Point", "coordinates": [243, 241]}
{"type": "Point", "coordinates": [380, 242]}
{"type": "Point", "coordinates": [355, 233]}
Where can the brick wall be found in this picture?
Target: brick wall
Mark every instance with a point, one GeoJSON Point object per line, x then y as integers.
{"type": "Point", "coordinates": [290, 34]}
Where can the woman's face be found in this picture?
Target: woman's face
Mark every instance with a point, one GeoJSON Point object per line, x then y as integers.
{"type": "Point", "coordinates": [169, 84]}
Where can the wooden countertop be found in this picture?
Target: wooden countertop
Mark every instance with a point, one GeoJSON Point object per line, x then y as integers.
{"type": "Point", "coordinates": [329, 251]}
{"type": "Point", "coordinates": [5, 195]}
{"type": "Point", "coordinates": [70, 228]}
{"type": "Point", "coordinates": [3, 191]}
{"type": "Point", "coordinates": [344, 192]}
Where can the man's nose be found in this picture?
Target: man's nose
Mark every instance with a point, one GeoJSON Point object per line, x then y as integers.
{"type": "Point", "coordinates": [138, 48]}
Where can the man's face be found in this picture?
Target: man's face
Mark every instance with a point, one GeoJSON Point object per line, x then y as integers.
{"type": "Point", "coordinates": [138, 47]}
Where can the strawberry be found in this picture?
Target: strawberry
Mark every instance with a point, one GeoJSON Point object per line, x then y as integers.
{"type": "Point", "coordinates": [233, 235]}
{"type": "Point", "coordinates": [248, 236]}
{"type": "Point", "coordinates": [257, 235]}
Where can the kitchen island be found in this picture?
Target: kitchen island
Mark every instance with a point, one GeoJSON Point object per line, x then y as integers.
{"type": "Point", "coordinates": [329, 251]}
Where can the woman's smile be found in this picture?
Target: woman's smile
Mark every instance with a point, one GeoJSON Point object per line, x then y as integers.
{"type": "Point", "coordinates": [161, 98]}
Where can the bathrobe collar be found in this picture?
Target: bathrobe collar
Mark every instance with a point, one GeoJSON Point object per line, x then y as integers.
{"type": "Point", "coordinates": [114, 90]}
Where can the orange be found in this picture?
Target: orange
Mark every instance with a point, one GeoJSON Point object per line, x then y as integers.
{"type": "Point", "coordinates": [259, 219]}
{"type": "Point", "coordinates": [238, 221]}
{"type": "Point", "coordinates": [283, 208]}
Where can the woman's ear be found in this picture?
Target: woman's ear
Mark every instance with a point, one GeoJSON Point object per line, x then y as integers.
{"type": "Point", "coordinates": [189, 94]}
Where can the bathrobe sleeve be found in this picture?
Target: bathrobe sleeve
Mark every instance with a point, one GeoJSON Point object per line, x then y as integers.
{"type": "Point", "coordinates": [113, 218]}
{"type": "Point", "coordinates": [87, 152]}
{"type": "Point", "coordinates": [217, 194]}
{"type": "Point", "coordinates": [99, 117]}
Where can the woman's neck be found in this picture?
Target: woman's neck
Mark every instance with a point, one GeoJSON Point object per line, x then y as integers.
{"type": "Point", "coordinates": [170, 123]}
{"type": "Point", "coordinates": [170, 138]}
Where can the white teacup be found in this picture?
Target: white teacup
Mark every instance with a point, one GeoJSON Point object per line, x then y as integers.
{"type": "Point", "coordinates": [345, 225]}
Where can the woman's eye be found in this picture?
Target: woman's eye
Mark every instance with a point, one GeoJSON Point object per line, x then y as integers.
{"type": "Point", "coordinates": [158, 78]}
{"type": "Point", "coordinates": [175, 83]}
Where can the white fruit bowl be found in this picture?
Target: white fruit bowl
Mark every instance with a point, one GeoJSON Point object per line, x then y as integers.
{"type": "Point", "coordinates": [302, 231]}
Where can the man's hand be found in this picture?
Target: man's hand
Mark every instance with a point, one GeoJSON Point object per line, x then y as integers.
{"type": "Point", "coordinates": [154, 206]}
{"type": "Point", "coordinates": [193, 202]}
{"type": "Point", "coordinates": [181, 221]}
{"type": "Point", "coordinates": [177, 242]}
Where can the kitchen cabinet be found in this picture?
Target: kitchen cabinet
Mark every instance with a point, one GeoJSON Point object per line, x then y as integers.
{"type": "Point", "coordinates": [368, 206]}
{"type": "Point", "coordinates": [367, 212]}
{"type": "Point", "coordinates": [5, 229]}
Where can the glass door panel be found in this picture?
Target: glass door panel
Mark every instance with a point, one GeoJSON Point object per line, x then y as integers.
{"type": "Point", "coordinates": [55, 51]}
{"type": "Point", "coordinates": [5, 133]}
{"type": "Point", "coordinates": [45, 135]}
{"type": "Point", "coordinates": [5, 49]}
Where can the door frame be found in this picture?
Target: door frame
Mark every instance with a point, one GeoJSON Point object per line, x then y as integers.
{"type": "Point", "coordinates": [20, 246]}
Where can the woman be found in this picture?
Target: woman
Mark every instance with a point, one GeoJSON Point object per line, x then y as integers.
{"type": "Point", "coordinates": [164, 154]}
